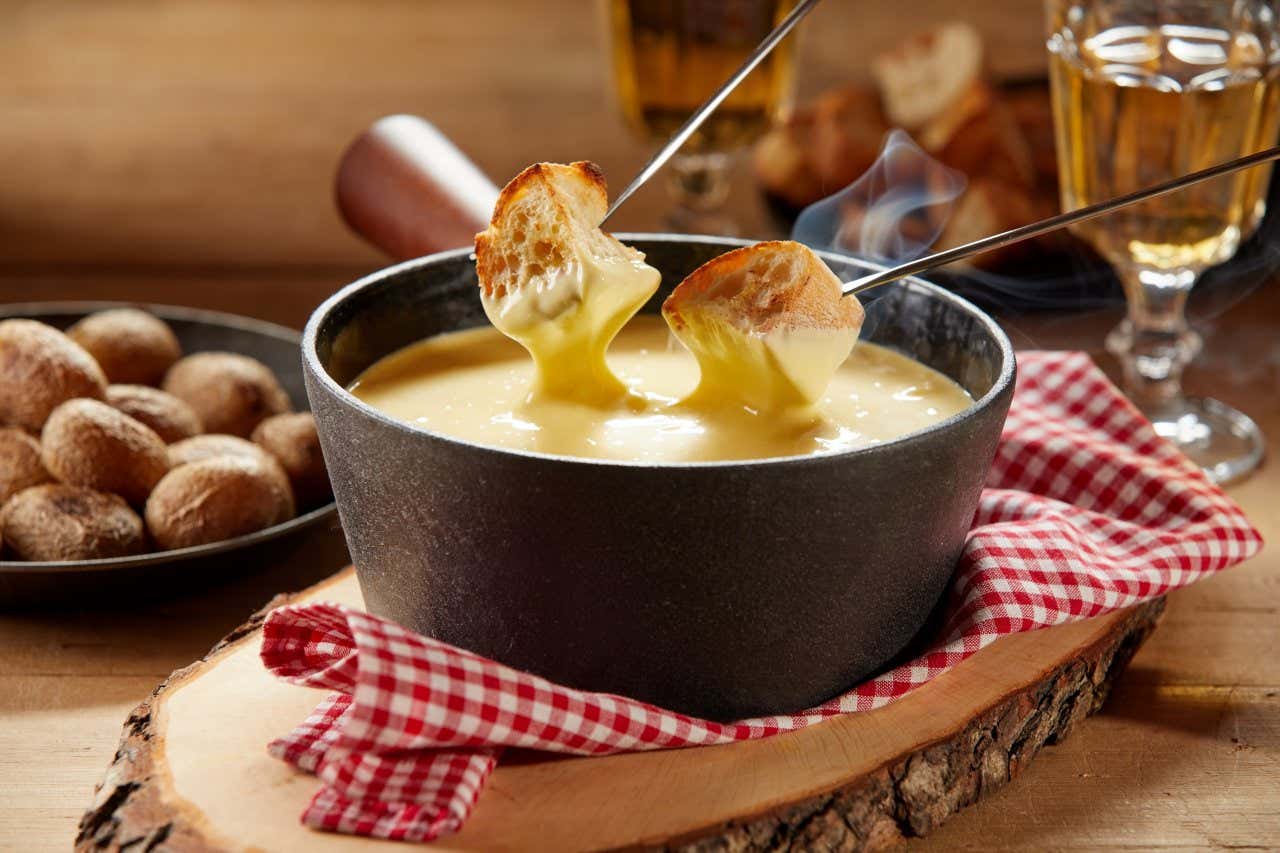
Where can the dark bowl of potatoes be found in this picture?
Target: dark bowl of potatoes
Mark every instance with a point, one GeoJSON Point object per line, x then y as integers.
{"type": "Point", "coordinates": [152, 449]}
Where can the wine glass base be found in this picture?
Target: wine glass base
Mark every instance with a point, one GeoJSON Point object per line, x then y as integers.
{"type": "Point", "coordinates": [1223, 441]}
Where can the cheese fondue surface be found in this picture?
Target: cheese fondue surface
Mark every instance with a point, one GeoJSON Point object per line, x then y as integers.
{"type": "Point", "coordinates": [479, 386]}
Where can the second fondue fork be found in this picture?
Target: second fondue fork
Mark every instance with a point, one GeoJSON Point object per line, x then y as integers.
{"type": "Point", "coordinates": [1053, 223]}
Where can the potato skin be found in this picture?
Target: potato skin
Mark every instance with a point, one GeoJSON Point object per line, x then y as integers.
{"type": "Point", "coordinates": [212, 445]}
{"type": "Point", "coordinates": [292, 439]}
{"type": "Point", "coordinates": [131, 346]}
{"type": "Point", "coordinates": [169, 417]}
{"type": "Point", "coordinates": [216, 499]}
{"type": "Point", "coordinates": [20, 465]}
{"type": "Point", "coordinates": [40, 369]}
{"type": "Point", "coordinates": [230, 393]}
{"type": "Point", "coordinates": [56, 522]}
{"type": "Point", "coordinates": [88, 443]}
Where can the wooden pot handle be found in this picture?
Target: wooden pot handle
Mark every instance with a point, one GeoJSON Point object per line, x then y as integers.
{"type": "Point", "coordinates": [404, 187]}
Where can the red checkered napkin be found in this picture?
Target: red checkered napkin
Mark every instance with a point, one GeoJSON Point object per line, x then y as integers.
{"type": "Point", "coordinates": [1086, 510]}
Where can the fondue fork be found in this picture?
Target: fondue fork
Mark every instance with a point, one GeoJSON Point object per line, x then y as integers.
{"type": "Point", "coordinates": [681, 136]}
{"type": "Point", "coordinates": [1053, 223]}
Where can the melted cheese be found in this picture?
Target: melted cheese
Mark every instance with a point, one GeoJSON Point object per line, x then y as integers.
{"type": "Point", "coordinates": [566, 318]}
{"type": "Point", "coordinates": [479, 386]}
{"type": "Point", "coordinates": [778, 370]}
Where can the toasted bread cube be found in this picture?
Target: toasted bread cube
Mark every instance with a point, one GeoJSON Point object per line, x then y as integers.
{"type": "Point", "coordinates": [767, 323]}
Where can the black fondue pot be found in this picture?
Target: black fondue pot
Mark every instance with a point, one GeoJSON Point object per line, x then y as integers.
{"type": "Point", "coordinates": [719, 589]}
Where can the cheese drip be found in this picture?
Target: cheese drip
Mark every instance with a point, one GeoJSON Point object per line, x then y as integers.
{"type": "Point", "coordinates": [768, 325]}
{"type": "Point", "coordinates": [475, 384]}
{"type": "Point", "coordinates": [566, 318]}
{"type": "Point", "coordinates": [777, 370]}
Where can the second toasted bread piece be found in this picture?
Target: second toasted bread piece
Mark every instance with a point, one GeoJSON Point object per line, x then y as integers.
{"type": "Point", "coordinates": [767, 323]}
{"type": "Point", "coordinates": [553, 281]}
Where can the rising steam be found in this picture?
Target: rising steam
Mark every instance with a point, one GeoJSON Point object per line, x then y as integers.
{"type": "Point", "coordinates": [892, 213]}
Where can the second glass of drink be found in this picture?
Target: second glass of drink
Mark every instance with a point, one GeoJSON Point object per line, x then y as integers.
{"type": "Point", "coordinates": [1145, 91]}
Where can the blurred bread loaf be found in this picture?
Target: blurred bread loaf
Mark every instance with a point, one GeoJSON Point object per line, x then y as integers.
{"type": "Point", "coordinates": [933, 85]}
{"type": "Point", "coordinates": [783, 163]}
{"type": "Point", "coordinates": [930, 75]}
{"type": "Point", "coordinates": [989, 206]}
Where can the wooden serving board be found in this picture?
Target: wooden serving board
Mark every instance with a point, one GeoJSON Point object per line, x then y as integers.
{"type": "Point", "coordinates": [192, 773]}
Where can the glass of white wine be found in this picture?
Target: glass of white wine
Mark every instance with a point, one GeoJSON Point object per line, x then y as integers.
{"type": "Point", "coordinates": [1144, 91]}
{"type": "Point", "coordinates": [669, 56]}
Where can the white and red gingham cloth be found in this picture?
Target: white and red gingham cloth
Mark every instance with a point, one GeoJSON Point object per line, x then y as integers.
{"type": "Point", "coordinates": [1086, 510]}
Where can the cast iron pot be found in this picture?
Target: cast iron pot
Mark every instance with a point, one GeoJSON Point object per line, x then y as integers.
{"type": "Point", "coordinates": [719, 589]}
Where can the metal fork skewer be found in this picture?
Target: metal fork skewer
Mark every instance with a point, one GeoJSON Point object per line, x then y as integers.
{"type": "Point", "coordinates": [659, 159]}
{"type": "Point", "coordinates": [1053, 223]}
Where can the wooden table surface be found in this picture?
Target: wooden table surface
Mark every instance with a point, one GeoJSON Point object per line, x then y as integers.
{"type": "Point", "coordinates": [182, 153]}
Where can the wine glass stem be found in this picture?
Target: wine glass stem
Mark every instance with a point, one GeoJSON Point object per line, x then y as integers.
{"type": "Point", "coordinates": [700, 182]}
{"type": "Point", "coordinates": [1154, 343]}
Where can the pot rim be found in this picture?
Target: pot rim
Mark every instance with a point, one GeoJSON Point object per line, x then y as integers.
{"type": "Point", "coordinates": [999, 387]}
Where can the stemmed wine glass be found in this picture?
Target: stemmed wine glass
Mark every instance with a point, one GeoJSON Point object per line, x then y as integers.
{"type": "Point", "coordinates": [1144, 91]}
{"type": "Point", "coordinates": [668, 57]}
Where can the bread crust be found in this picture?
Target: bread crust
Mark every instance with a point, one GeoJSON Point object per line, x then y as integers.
{"type": "Point", "coordinates": [577, 195]}
{"type": "Point", "coordinates": [777, 283]}
{"type": "Point", "coordinates": [591, 175]}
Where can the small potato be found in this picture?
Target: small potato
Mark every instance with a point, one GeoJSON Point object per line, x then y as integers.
{"type": "Point", "coordinates": [230, 393]}
{"type": "Point", "coordinates": [20, 466]}
{"type": "Point", "coordinates": [132, 346]}
{"type": "Point", "coordinates": [57, 522]}
{"type": "Point", "coordinates": [211, 446]}
{"type": "Point", "coordinates": [172, 419]}
{"type": "Point", "coordinates": [293, 441]}
{"type": "Point", "coordinates": [41, 368]}
{"type": "Point", "coordinates": [216, 499]}
{"type": "Point", "coordinates": [88, 443]}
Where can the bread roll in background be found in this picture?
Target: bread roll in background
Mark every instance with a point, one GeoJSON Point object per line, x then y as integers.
{"type": "Point", "coordinates": [935, 86]}
{"type": "Point", "coordinates": [989, 206]}
{"type": "Point", "coordinates": [782, 164]}
{"type": "Point", "coordinates": [848, 130]}
{"type": "Point", "coordinates": [929, 74]}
